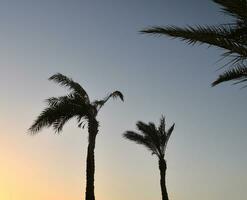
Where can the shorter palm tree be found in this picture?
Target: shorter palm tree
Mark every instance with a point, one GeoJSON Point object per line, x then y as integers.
{"type": "Point", "coordinates": [154, 139]}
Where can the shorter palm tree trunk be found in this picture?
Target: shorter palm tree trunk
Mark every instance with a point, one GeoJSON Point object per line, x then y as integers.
{"type": "Point", "coordinates": [162, 167]}
{"type": "Point", "coordinates": [93, 130]}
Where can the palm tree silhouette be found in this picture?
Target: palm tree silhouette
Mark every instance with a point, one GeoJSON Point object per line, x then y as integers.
{"type": "Point", "coordinates": [231, 37]}
{"type": "Point", "coordinates": [154, 139]}
{"type": "Point", "coordinates": [74, 105]}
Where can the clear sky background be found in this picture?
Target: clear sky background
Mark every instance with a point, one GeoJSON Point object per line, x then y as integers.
{"type": "Point", "coordinates": [97, 43]}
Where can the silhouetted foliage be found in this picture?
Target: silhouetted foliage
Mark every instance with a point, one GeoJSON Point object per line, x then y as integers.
{"type": "Point", "coordinates": [231, 37]}
{"type": "Point", "coordinates": [155, 139]}
{"type": "Point", "coordinates": [77, 105]}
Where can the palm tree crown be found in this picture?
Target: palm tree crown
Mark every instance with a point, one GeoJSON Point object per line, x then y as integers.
{"type": "Point", "coordinates": [153, 138]}
{"type": "Point", "coordinates": [76, 104]}
{"type": "Point", "coordinates": [231, 37]}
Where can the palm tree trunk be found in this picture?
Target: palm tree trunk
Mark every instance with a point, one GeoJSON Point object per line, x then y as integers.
{"type": "Point", "coordinates": [92, 130]}
{"type": "Point", "coordinates": [162, 167]}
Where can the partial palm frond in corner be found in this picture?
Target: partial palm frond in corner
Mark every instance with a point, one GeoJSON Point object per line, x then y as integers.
{"type": "Point", "coordinates": [210, 35]}
{"type": "Point", "coordinates": [234, 8]}
{"type": "Point", "coordinates": [237, 74]}
{"type": "Point", "coordinates": [230, 37]}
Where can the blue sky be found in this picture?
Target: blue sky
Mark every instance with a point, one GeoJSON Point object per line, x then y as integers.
{"type": "Point", "coordinates": [97, 44]}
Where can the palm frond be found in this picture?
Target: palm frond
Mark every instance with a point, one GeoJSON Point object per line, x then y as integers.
{"type": "Point", "coordinates": [68, 82]}
{"type": "Point", "coordinates": [140, 139]}
{"type": "Point", "coordinates": [81, 120]}
{"type": "Point", "coordinates": [231, 37]}
{"type": "Point", "coordinates": [100, 103]}
{"type": "Point", "coordinates": [238, 74]}
{"type": "Point", "coordinates": [235, 8]}
{"type": "Point", "coordinates": [168, 135]}
{"type": "Point", "coordinates": [211, 35]}
{"type": "Point", "coordinates": [116, 94]}
{"type": "Point", "coordinates": [47, 118]}
{"type": "Point", "coordinates": [162, 126]}
{"type": "Point", "coordinates": [238, 34]}
{"type": "Point", "coordinates": [53, 101]}
{"type": "Point", "coordinates": [58, 112]}
{"type": "Point", "coordinates": [60, 122]}
{"type": "Point", "coordinates": [151, 133]}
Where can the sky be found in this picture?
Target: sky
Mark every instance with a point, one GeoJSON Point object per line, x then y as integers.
{"type": "Point", "coordinates": [97, 44]}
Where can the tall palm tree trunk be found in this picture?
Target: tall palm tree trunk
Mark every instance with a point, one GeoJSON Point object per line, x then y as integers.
{"type": "Point", "coordinates": [162, 167]}
{"type": "Point", "coordinates": [93, 130]}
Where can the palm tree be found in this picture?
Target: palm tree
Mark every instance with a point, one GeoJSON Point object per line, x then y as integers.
{"type": "Point", "coordinates": [155, 140]}
{"type": "Point", "coordinates": [74, 105]}
{"type": "Point", "coordinates": [231, 37]}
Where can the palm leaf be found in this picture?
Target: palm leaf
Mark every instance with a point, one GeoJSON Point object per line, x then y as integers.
{"type": "Point", "coordinates": [116, 94]}
{"type": "Point", "coordinates": [231, 37]}
{"type": "Point", "coordinates": [162, 126]}
{"type": "Point", "coordinates": [168, 135]}
{"type": "Point", "coordinates": [60, 122]}
{"type": "Point", "coordinates": [57, 114]}
{"type": "Point", "coordinates": [100, 103]}
{"type": "Point", "coordinates": [140, 139]}
{"type": "Point", "coordinates": [53, 101]}
{"type": "Point", "coordinates": [235, 8]}
{"type": "Point", "coordinates": [211, 35]}
{"type": "Point", "coordinates": [149, 131]}
{"type": "Point", "coordinates": [68, 82]}
{"type": "Point", "coordinates": [238, 74]}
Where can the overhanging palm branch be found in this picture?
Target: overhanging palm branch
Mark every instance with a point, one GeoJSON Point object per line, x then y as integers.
{"type": "Point", "coordinates": [237, 74]}
{"type": "Point", "coordinates": [231, 37]}
{"type": "Point", "coordinates": [235, 8]}
{"type": "Point", "coordinates": [211, 35]}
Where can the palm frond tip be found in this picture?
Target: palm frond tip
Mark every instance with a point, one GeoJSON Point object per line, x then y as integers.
{"type": "Point", "coordinates": [238, 74]}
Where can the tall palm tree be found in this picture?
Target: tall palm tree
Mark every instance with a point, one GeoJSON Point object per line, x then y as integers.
{"type": "Point", "coordinates": [231, 37]}
{"type": "Point", "coordinates": [74, 105]}
{"type": "Point", "coordinates": [155, 139]}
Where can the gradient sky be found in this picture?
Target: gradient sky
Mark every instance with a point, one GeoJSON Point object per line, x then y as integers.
{"type": "Point", "coordinates": [97, 43]}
